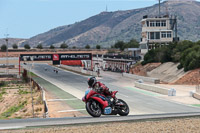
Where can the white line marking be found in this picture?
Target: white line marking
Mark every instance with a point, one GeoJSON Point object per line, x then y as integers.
{"type": "Point", "coordinates": [13, 127]}
{"type": "Point", "coordinates": [70, 110]}
{"type": "Point", "coordinates": [122, 95]}
{"type": "Point", "coordinates": [52, 100]}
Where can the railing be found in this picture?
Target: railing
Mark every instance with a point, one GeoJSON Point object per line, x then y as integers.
{"type": "Point", "coordinates": [39, 87]}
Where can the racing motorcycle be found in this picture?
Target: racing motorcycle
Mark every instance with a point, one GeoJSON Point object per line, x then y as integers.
{"type": "Point", "coordinates": [97, 104]}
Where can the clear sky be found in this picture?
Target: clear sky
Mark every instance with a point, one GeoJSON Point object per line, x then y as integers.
{"type": "Point", "coordinates": [27, 18]}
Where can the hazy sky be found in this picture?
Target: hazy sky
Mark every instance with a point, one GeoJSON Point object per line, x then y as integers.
{"type": "Point", "coordinates": [26, 18]}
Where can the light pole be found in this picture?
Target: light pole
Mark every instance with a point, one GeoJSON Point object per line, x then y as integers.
{"type": "Point", "coordinates": [31, 86]}
{"type": "Point", "coordinates": [25, 59]}
{"type": "Point", "coordinates": [6, 53]}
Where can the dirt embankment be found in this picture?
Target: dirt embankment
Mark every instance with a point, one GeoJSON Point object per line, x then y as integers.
{"type": "Point", "coordinates": [142, 70]}
{"type": "Point", "coordinates": [168, 73]}
{"type": "Point", "coordinates": [16, 101]}
{"type": "Point", "coordinates": [191, 78]}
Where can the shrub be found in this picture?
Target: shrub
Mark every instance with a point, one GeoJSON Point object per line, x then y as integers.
{"type": "Point", "coordinates": [26, 46]}
{"type": "Point", "coordinates": [3, 47]}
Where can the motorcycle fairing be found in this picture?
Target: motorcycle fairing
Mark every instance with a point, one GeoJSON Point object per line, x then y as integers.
{"type": "Point", "coordinates": [103, 103]}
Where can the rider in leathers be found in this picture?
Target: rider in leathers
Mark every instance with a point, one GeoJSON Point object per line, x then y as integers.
{"type": "Point", "coordinates": [99, 88]}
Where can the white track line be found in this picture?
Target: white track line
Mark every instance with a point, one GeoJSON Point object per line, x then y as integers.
{"type": "Point", "coordinates": [62, 111]}
{"type": "Point", "coordinates": [13, 127]}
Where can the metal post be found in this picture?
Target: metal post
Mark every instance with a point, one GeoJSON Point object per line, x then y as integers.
{"type": "Point", "coordinates": [7, 56]}
{"type": "Point", "coordinates": [19, 67]}
{"type": "Point", "coordinates": [159, 8]}
{"type": "Point", "coordinates": [32, 88]}
{"type": "Point", "coordinates": [91, 63]}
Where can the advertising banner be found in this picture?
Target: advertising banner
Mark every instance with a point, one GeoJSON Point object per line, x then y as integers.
{"type": "Point", "coordinates": [35, 57]}
{"type": "Point", "coordinates": [55, 57]}
{"type": "Point", "coordinates": [76, 56]}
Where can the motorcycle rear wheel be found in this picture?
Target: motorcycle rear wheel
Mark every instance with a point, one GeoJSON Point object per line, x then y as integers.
{"type": "Point", "coordinates": [93, 108]}
{"type": "Point", "coordinates": [123, 110]}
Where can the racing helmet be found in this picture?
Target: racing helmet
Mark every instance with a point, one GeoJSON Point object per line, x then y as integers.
{"type": "Point", "coordinates": [91, 81]}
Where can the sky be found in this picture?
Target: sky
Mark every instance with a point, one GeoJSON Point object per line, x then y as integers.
{"type": "Point", "coordinates": [27, 18]}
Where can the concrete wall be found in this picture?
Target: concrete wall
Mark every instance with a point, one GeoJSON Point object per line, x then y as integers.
{"type": "Point", "coordinates": [196, 94]}
{"type": "Point", "coordinates": [79, 70]}
{"type": "Point", "coordinates": [157, 89]}
{"type": "Point", "coordinates": [167, 72]}
{"type": "Point", "coordinates": [146, 79]}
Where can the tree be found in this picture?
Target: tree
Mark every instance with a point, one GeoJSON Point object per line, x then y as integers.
{"type": "Point", "coordinates": [149, 57]}
{"type": "Point", "coordinates": [98, 47]}
{"type": "Point", "coordinates": [3, 47]}
{"type": "Point", "coordinates": [51, 47]}
{"type": "Point", "coordinates": [190, 58]}
{"type": "Point", "coordinates": [74, 47]}
{"type": "Point", "coordinates": [26, 46]}
{"type": "Point", "coordinates": [15, 46]}
{"type": "Point", "coordinates": [132, 44]}
{"type": "Point", "coordinates": [120, 45]}
{"type": "Point", "coordinates": [87, 46]}
{"type": "Point", "coordinates": [39, 46]}
{"type": "Point", "coordinates": [63, 45]}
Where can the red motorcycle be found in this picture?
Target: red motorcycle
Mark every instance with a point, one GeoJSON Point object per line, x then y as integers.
{"type": "Point", "coordinates": [97, 104]}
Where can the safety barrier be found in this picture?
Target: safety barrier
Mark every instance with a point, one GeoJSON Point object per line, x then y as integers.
{"type": "Point", "coordinates": [39, 87]}
{"type": "Point", "coordinates": [146, 79]}
{"type": "Point", "coordinates": [79, 70]}
{"type": "Point", "coordinates": [196, 93]}
{"type": "Point", "coordinates": [157, 89]}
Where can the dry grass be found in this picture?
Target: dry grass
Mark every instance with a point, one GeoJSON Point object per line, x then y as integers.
{"type": "Point", "coordinates": [16, 101]}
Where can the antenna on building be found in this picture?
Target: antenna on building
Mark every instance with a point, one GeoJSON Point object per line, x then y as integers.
{"type": "Point", "coordinates": [167, 11]}
{"type": "Point", "coordinates": [159, 7]}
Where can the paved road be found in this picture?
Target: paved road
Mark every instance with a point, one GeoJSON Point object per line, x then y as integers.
{"type": "Point", "coordinates": [138, 102]}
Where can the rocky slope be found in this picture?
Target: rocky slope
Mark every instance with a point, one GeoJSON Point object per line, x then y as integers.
{"type": "Point", "coordinates": [11, 41]}
{"type": "Point", "coordinates": [108, 27]}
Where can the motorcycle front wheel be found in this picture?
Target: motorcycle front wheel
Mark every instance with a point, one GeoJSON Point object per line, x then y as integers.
{"type": "Point", "coordinates": [93, 108]}
{"type": "Point", "coordinates": [123, 109]}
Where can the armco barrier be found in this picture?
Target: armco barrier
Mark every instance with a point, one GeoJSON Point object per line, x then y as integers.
{"type": "Point", "coordinates": [146, 79]}
{"type": "Point", "coordinates": [79, 69]}
{"type": "Point", "coordinates": [46, 112]}
{"type": "Point", "coordinates": [157, 89]}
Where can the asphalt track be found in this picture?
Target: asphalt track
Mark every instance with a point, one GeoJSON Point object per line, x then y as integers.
{"type": "Point", "coordinates": [149, 106]}
{"type": "Point", "coordinates": [139, 103]}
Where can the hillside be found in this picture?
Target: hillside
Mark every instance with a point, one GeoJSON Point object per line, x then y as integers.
{"type": "Point", "coordinates": [11, 41]}
{"type": "Point", "coordinates": [108, 27]}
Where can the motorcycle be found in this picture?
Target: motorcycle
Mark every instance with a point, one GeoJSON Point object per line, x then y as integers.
{"type": "Point", "coordinates": [97, 104]}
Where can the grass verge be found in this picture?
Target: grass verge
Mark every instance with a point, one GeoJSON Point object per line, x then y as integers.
{"type": "Point", "coordinates": [59, 93]}
{"type": "Point", "coordinates": [13, 109]}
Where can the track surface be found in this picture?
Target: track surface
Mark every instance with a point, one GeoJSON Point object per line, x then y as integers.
{"type": "Point", "coordinates": [138, 102]}
{"type": "Point", "coordinates": [150, 107]}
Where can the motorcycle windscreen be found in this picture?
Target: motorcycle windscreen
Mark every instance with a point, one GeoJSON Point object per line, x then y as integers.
{"type": "Point", "coordinates": [87, 91]}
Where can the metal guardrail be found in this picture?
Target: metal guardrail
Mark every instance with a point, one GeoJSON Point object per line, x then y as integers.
{"type": "Point", "coordinates": [46, 111]}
